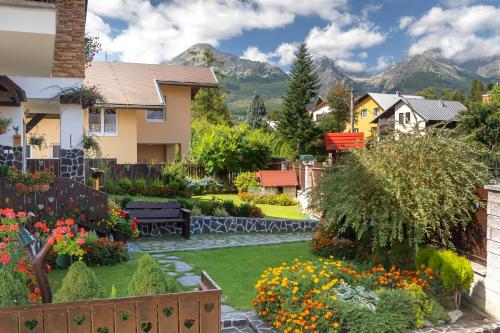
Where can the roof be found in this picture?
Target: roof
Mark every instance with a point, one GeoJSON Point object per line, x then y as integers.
{"type": "Point", "coordinates": [10, 93]}
{"type": "Point", "coordinates": [385, 101]}
{"type": "Point", "coordinates": [429, 109]}
{"type": "Point", "coordinates": [343, 141]}
{"type": "Point", "coordinates": [277, 178]}
{"type": "Point", "coordinates": [137, 84]}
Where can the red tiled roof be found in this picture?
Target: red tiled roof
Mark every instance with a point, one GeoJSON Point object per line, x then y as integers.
{"type": "Point", "coordinates": [343, 141]}
{"type": "Point", "coordinates": [277, 178]}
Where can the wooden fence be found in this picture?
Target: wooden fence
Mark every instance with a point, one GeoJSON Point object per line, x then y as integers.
{"type": "Point", "coordinates": [66, 197]}
{"type": "Point", "coordinates": [189, 312]}
{"type": "Point", "coordinates": [49, 164]}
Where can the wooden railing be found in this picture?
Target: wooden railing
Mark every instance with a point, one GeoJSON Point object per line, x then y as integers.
{"type": "Point", "coordinates": [188, 312]}
{"type": "Point", "coordinates": [65, 198]}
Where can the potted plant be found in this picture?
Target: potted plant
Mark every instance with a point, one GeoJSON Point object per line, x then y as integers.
{"type": "Point", "coordinates": [4, 124]}
{"type": "Point", "coordinates": [38, 141]}
{"type": "Point", "coordinates": [44, 180]}
{"type": "Point", "coordinates": [4, 171]}
{"type": "Point", "coordinates": [121, 227]}
{"type": "Point", "coordinates": [17, 136]}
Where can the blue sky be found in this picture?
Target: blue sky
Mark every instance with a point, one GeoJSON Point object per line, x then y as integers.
{"type": "Point", "coordinates": [358, 35]}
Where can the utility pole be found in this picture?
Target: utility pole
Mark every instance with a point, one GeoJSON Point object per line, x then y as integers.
{"type": "Point", "coordinates": [352, 110]}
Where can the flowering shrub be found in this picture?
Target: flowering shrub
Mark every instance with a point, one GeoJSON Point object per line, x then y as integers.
{"type": "Point", "coordinates": [24, 181]}
{"type": "Point", "coordinates": [267, 199]}
{"type": "Point", "coordinates": [64, 238]}
{"type": "Point", "coordinates": [104, 252]}
{"type": "Point", "coordinates": [310, 296]}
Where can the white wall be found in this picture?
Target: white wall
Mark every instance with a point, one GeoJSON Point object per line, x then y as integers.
{"type": "Point", "coordinates": [415, 119]}
{"type": "Point", "coordinates": [16, 114]}
{"type": "Point", "coordinates": [71, 126]}
{"type": "Point", "coordinates": [44, 87]}
{"type": "Point", "coordinates": [325, 109]}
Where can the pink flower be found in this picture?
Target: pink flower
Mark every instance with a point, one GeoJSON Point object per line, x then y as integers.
{"type": "Point", "coordinates": [10, 215]}
{"type": "Point", "coordinates": [4, 258]}
{"type": "Point", "coordinates": [80, 241]}
{"type": "Point", "coordinates": [21, 214]}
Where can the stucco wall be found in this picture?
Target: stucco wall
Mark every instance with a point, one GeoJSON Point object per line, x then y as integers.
{"type": "Point", "coordinates": [16, 114]}
{"type": "Point", "coordinates": [407, 127]}
{"type": "Point", "coordinates": [50, 129]}
{"type": "Point", "coordinates": [122, 146]}
{"type": "Point", "coordinates": [364, 125]}
{"type": "Point", "coordinates": [177, 126]}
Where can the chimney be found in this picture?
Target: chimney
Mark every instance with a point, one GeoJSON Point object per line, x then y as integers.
{"type": "Point", "coordinates": [442, 104]}
{"type": "Point", "coordinates": [398, 93]}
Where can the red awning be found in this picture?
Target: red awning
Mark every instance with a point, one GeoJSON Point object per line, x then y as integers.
{"type": "Point", "coordinates": [343, 141]}
{"type": "Point", "coordinates": [277, 178]}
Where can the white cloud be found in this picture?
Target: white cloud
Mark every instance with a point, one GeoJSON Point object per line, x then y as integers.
{"type": "Point", "coordinates": [253, 53]}
{"type": "Point", "coordinates": [285, 53]}
{"type": "Point", "coordinates": [363, 55]}
{"type": "Point", "coordinates": [336, 43]}
{"type": "Point", "coordinates": [383, 62]}
{"type": "Point", "coordinates": [370, 8]}
{"type": "Point", "coordinates": [351, 66]}
{"type": "Point", "coordinates": [457, 3]}
{"type": "Point", "coordinates": [405, 21]}
{"type": "Point", "coordinates": [459, 34]}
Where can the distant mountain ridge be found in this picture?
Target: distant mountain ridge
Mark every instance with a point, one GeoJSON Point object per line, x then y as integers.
{"type": "Point", "coordinates": [242, 77]}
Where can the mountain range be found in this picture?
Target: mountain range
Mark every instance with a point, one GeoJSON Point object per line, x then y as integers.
{"type": "Point", "coordinates": [242, 77]}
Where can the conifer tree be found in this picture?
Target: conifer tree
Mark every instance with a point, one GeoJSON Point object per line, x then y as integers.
{"type": "Point", "coordinates": [477, 90]}
{"type": "Point", "coordinates": [295, 123]}
{"type": "Point", "coordinates": [256, 111]}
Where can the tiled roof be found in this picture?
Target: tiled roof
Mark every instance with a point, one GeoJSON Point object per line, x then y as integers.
{"type": "Point", "coordinates": [277, 178]}
{"type": "Point", "coordinates": [435, 110]}
{"type": "Point", "coordinates": [385, 101]}
{"type": "Point", "coordinates": [136, 84]}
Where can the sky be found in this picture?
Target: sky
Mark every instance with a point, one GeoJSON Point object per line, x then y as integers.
{"type": "Point", "coordinates": [359, 35]}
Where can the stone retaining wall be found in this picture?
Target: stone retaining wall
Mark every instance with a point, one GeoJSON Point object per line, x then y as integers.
{"type": "Point", "coordinates": [212, 224]}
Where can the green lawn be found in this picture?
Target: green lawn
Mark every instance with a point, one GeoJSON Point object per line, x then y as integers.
{"type": "Point", "coordinates": [284, 212]}
{"type": "Point", "coordinates": [237, 270]}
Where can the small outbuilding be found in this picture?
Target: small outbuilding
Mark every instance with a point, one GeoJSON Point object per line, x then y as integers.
{"type": "Point", "coordinates": [279, 181]}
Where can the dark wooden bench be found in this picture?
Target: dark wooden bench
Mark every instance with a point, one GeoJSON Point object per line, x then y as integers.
{"type": "Point", "coordinates": [147, 212]}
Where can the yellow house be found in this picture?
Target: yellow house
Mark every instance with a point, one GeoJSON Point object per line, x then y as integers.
{"type": "Point", "coordinates": [369, 106]}
{"type": "Point", "coordinates": [147, 114]}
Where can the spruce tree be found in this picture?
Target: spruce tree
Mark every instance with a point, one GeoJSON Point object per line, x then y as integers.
{"type": "Point", "coordinates": [210, 103]}
{"type": "Point", "coordinates": [295, 123]}
{"type": "Point", "coordinates": [256, 111]}
{"type": "Point", "coordinates": [476, 91]}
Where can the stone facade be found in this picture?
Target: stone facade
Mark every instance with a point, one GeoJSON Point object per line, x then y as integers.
{"type": "Point", "coordinates": [72, 164]}
{"type": "Point", "coordinates": [12, 156]}
{"type": "Point", "coordinates": [69, 49]}
{"type": "Point", "coordinates": [486, 290]}
{"type": "Point", "coordinates": [212, 224]}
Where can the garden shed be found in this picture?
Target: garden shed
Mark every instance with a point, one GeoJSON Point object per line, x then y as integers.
{"type": "Point", "coordinates": [279, 181]}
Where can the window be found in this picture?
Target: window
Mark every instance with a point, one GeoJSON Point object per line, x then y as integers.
{"type": "Point", "coordinates": [155, 115]}
{"type": "Point", "coordinates": [364, 113]}
{"type": "Point", "coordinates": [401, 118]}
{"type": "Point", "coordinates": [103, 121]}
{"type": "Point", "coordinates": [376, 112]}
{"type": "Point", "coordinates": [28, 151]}
{"type": "Point", "coordinates": [56, 151]}
{"type": "Point", "coordinates": [407, 117]}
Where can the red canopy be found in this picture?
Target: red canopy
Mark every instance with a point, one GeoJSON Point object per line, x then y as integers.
{"type": "Point", "coordinates": [343, 141]}
{"type": "Point", "coordinates": [277, 178]}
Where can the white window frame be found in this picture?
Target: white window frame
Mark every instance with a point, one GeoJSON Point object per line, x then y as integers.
{"type": "Point", "coordinates": [364, 113]}
{"type": "Point", "coordinates": [376, 112]}
{"type": "Point", "coordinates": [102, 133]}
{"type": "Point", "coordinates": [52, 151]}
{"type": "Point", "coordinates": [162, 120]}
{"type": "Point", "coordinates": [30, 152]}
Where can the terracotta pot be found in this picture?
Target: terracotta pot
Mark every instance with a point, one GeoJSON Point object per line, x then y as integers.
{"type": "Point", "coordinates": [17, 140]}
{"type": "Point", "coordinates": [43, 188]}
{"type": "Point", "coordinates": [3, 130]}
{"type": "Point", "coordinates": [35, 188]}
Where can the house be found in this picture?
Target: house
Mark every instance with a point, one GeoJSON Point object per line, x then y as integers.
{"type": "Point", "coordinates": [147, 114]}
{"type": "Point", "coordinates": [43, 51]}
{"type": "Point", "coordinates": [279, 181]}
{"type": "Point", "coordinates": [411, 113]}
{"type": "Point", "coordinates": [320, 108]}
{"type": "Point", "coordinates": [486, 98]}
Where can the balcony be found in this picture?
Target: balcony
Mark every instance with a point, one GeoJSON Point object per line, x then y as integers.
{"type": "Point", "coordinates": [27, 37]}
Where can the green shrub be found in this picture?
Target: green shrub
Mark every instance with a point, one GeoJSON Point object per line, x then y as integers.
{"type": "Point", "coordinates": [104, 252]}
{"type": "Point", "coordinates": [246, 181]}
{"type": "Point", "coordinates": [12, 290]}
{"type": "Point", "coordinates": [421, 304]}
{"type": "Point", "coordinates": [196, 211]}
{"type": "Point", "coordinates": [244, 210]}
{"type": "Point", "coordinates": [438, 312]}
{"type": "Point", "coordinates": [125, 185]}
{"type": "Point", "coordinates": [157, 188]}
{"type": "Point", "coordinates": [220, 212]}
{"type": "Point", "coordinates": [110, 186]}
{"type": "Point", "coordinates": [140, 186]}
{"type": "Point", "coordinates": [174, 171]}
{"type": "Point", "coordinates": [422, 257]}
{"type": "Point", "coordinates": [150, 279]}
{"type": "Point", "coordinates": [125, 200]}
{"type": "Point", "coordinates": [79, 284]}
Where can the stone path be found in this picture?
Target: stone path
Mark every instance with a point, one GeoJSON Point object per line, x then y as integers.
{"type": "Point", "coordinates": [214, 241]}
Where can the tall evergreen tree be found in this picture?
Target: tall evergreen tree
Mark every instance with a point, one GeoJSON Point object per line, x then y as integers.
{"type": "Point", "coordinates": [210, 103]}
{"type": "Point", "coordinates": [256, 111]}
{"type": "Point", "coordinates": [295, 123]}
{"type": "Point", "coordinates": [477, 90]}
{"type": "Point", "coordinates": [339, 100]}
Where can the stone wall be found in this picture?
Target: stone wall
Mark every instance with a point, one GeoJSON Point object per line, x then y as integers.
{"type": "Point", "coordinates": [212, 224]}
{"type": "Point", "coordinates": [69, 48]}
{"type": "Point", "coordinates": [486, 290]}
{"type": "Point", "coordinates": [11, 156]}
{"type": "Point", "coordinates": [72, 164]}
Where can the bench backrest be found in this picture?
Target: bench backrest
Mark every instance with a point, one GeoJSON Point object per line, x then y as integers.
{"type": "Point", "coordinates": [153, 210]}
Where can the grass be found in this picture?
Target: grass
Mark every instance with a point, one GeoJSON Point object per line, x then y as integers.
{"type": "Point", "coordinates": [237, 270]}
{"type": "Point", "coordinates": [283, 212]}
{"type": "Point", "coordinates": [118, 275]}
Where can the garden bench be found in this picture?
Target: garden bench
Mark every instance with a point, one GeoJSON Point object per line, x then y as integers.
{"type": "Point", "coordinates": [147, 212]}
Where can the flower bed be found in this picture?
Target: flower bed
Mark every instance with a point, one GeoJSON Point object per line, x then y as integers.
{"type": "Point", "coordinates": [333, 296]}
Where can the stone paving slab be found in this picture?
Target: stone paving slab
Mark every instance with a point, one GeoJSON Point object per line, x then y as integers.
{"type": "Point", "coordinates": [189, 280]}
{"type": "Point", "coordinates": [158, 246]}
